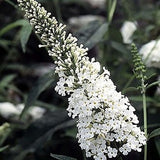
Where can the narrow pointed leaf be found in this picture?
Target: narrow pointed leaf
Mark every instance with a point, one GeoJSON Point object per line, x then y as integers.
{"type": "Point", "coordinates": [6, 80]}
{"type": "Point", "coordinates": [153, 84]}
{"type": "Point", "coordinates": [61, 157]}
{"type": "Point", "coordinates": [10, 26]}
{"type": "Point", "coordinates": [97, 36]}
{"type": "Point", "coordinates": [91, 34]}
{"type": "Point", "coordinates": [111, 10]}
{"type": "Point", "coordinates": [154, 133]}
{"type": "Point", "coordinates": [24, 35]}
{"type": "Point", "coordinates": [139, 99]}
{"type": "Point", "coordinates": [3, 148]}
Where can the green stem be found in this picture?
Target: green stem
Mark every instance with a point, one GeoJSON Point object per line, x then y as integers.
{"type": "Point", "coordinates": [84, 155]}
{"type": "Point", "coordinates": [145, 117]}
{"type": "Point", "coordinates": [120, 158]}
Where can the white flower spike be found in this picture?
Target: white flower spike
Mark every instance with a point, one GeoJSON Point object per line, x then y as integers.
{"type": "Point", "coordinates": [106, 122]}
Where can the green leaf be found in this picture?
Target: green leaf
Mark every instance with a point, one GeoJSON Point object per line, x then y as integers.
{"type": "Point", "coordinates": [97, 36]}
{"type": "Point", "coordinates": [19, 68]}
{"type": "Point", "coordinates": [157, 143]}
{"type": "Point", "coordinates": [120, 48]}
{"type": "Point", "coordinates": [5, 130]}
{"type": "Point", "coordinates": [72, 132]}
{"type": "Point", "coordinates": [153, 84]}
{"type": "Point", "coordinates": [154, 125]}
{"type": "Point", "coordinates": [10, 26]}
{"type": "Point", "coordinates": [61, 157]}
{"type": "Point", "coordinates": [23, 154]}
{"type": "Point", "coordinates": [24, 35]}
{"type": "Point", "coordinates": [45, 105]}
{"type": "Point", "coordinates": [129, 89]}
{"type": "Point", "coordinates": [154, 133]}
{"type": "Point", "coordinates": [48, 135]}
{"type": "Point", "coordinates": [139, 99]}
{"type": "Point", "coordinates": [46, 127]}
{"type": "Point", "coordinates": [4, 148]}
{"type": "Point", "coordinates": [14, 88]}
{"type": "Point", "coordinates": [6, 80]}
{"type": "Point", "coordinates": [152, 75]}
{"type": "Point", "coordinates": [5, 44]}
{"type": "Point", "coordinates": [11, 3]}
{"type": "Point", "coordinates": [92, 34]}
{"type": "Point", "coordinates": [43, 82]}
{"type": "Point", "coordinates": [111, 9]}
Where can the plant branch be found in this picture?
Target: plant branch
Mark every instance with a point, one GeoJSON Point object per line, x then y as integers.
{"type": "Point", "coordinates": [145, 116]}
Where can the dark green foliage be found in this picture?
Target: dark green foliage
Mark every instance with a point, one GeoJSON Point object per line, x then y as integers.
{"type": "Point", "coordinates": [24, 32]}
{"type": "Point", "coordinates": [92, 34]}
{"type": "Point", "coordinates": [42, 83]}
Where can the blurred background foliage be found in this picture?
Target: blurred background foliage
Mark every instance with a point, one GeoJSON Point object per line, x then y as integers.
{"type": "Point", "coordinates": [33, 119]}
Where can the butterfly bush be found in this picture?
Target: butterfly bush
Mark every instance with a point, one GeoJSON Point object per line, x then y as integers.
{"type": "Point", "coordinates": [106, 121]}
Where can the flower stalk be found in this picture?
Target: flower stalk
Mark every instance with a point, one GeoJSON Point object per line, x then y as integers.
{"type": "Point", "coordinates": [144, 116]}
{"type": "Point", "coordinates": [145, 123]}
{"type": "Point", "coordinates": [139, 71]}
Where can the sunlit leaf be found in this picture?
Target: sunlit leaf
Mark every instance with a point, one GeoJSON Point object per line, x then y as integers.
{"type": "Point", "coordinates": [5, 130]}
{"type": "Point", "coordinates": [111, 9]}
{"type": "Point", "coordinates": [24, 35]}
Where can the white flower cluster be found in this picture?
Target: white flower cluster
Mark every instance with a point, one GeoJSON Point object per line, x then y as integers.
{"type": "Point", "coordinates": [79, 21]}
{"type": "Point", "coordinates": [96, 3]}
{"type": "Point", "coordinates": [127, 30]}
{"type": "Point", "coordinates": [9, 110]}
{"type": "Point", "coordinates": [105, 118]}
{"type": "Point", "coordinates": [106, 122]}
{"type": "Point", "coordinates": [151, 53]}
